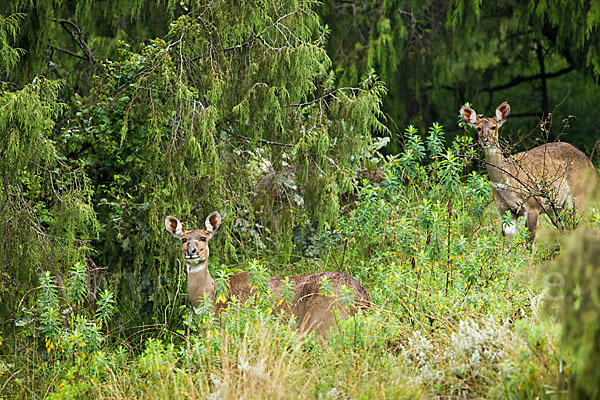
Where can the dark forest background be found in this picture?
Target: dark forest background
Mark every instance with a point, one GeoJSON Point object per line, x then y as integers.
{"type": "Point", "coordinates": [326, 134]}
{"type": "Point", "coordinates": [116, 113]}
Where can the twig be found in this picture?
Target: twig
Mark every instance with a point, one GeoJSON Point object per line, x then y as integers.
{"type": "Point", "coordinates": [529, 190]}
{"type": "Point", "coordinates": [330, 94]}
{"type": "Point", "coordinates": [269, 142]}
{"type": "Point", "coordinates": [69, 52]}
{"type": "Point", "coordinates": [76, 34]}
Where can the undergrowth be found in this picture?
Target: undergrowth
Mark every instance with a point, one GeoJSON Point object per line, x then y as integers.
{"type": "Point", "coordinates": [456, 311]}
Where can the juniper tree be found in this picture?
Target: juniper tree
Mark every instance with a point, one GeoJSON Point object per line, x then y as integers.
{"type": "Point", "coordinates": [436, 55]}
{"type": "Point", "coordinates": [189, 122]}
{"type": "Point", "coordinates": [46, 216]}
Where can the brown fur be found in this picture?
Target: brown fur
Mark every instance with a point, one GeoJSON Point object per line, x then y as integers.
{"type": "Point", "coordinates": [312, 309]}
{"type": "Point", "coordinates": [542, 180]}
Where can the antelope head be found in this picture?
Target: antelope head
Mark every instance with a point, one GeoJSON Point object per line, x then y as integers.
{"type": "Point", "coordinates": [194, 243]}
{"type": "Point", "coordinates": [487, 127]}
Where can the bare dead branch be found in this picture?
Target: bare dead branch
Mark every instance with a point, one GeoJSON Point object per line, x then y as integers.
{"type": "Point", "coordinates": [521, 79]}
{"type": "Point", "coordinates": [76, 34]}
{"type": "Point", "coordinates": [68, 52]}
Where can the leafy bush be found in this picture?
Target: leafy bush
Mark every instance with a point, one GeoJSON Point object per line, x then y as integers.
{"type": "Point", "coordinates": [61, 319]}
{"type": "Point", "coordinates": [455, 308]}
{"type": "Point", "coordinates": [421, 240]}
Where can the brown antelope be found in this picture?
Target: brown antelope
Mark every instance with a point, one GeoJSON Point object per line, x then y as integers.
{"type": "Point", "coordinates": [313, 310]}
{"type": "Point", "coordinates": [542, 180]}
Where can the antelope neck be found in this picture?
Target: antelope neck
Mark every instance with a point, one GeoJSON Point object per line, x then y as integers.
{"type": "Point", "coordinates": [199, 283]}
{"type": "Point", "coordinates": [199, 273]}
{"type": "Point", "coordinates": [496, 164]}
{"type": "Point", "coordinates": [195, 268]}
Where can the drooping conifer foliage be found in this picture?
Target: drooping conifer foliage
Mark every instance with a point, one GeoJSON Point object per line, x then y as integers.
{"type": "Point", "coordinates": [115, 114]}
{"type": "Point", "coordinates": [45, 203]}
{"type": "Point", "coordinates": [189, 123]}
{"type": "Point", "coordinates": [544, 56]}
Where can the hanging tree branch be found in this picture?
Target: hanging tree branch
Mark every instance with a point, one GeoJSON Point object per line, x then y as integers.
{"type": "Point", "coordinates": [69, 52]}
{"type": "Point", "coordinates": [260, 37]}
{"type": "Point", "coordinates": [76, 34]}
{"type": "Point", "coordinates": [521, 79]}
{"type": "Point", "coordinates": [516, 80]}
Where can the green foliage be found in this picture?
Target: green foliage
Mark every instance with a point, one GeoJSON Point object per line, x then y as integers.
{"type": "Point", "coordinates": [286, 292]}
{"type": "Point", "coordinates": [541, 56]}
{"type": "Point", "coordinates": [65, 39]}
{"type": "Point", "coordinates": [221, 284]}
{"type": "Point", "coordinates": [76, 284]}
{"type": "Point", "coordinates": [596, 218]}
{"type": "Point", "coordinates": [47, 217]}
{"type": "Point", "coordinates": [538, 368]}
{"type": "Point", "coordinates": [67, 325]}
{"type": "Point", "coordinates": [258, 278]}
{"type": "Point", "coordinates": [326, 287]}
{"type": "Point", "coordinates": [9, 29]}
{"type": "Point", "coordinates": [573, 295]}
{"type": "Point", "coordinates": [105, 306]}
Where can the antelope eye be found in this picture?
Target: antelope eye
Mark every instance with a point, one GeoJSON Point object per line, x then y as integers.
{"type": "Point", "coordinates": [183, 240]}
{"type": "Point", "coordinates": [493, 128]}
{"type": "Point", "coordinates": [479, 128]}
{"type": "Point", "coordinates": [203, 239]}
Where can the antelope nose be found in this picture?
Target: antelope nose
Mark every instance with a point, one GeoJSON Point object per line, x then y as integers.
{"type": "Point", "coordinates": [191, 250]}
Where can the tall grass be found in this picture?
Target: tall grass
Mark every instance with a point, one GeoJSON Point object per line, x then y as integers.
{"type": "Point", "coordinates": [456, 311]}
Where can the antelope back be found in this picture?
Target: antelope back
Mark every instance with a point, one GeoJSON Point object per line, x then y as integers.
{"type": "Point", "coordinates": [317, 307]}
{"type": "Point", "coordinates": [540, 180]}
{"type": "Point", "coordinates": [312, 303]}
{"type": "Point", "coordinates": [314, 307]}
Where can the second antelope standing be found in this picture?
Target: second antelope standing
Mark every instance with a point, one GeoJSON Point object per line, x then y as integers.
{"type": "Point", "coordinates": [312, 309]}
{"type": "Point", "coordinates": [542, 180]}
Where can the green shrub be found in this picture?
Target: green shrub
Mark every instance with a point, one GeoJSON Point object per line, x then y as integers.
{"type": "Point", "coordinates": [64, 319]}
{"type": "Point", "coordinates": [455, 309]}
{"type": "Point", "coordinates": [574, 296]}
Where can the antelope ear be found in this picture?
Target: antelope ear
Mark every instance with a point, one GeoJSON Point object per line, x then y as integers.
{"type": "Point", "coordinates": [174, 227]}
{"type": "Point", "coordinates": [502, 113]}
{"type": "Point", "coordinates": [213, 223]}
{"type": "Point", "coordinates": [469, 116]}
